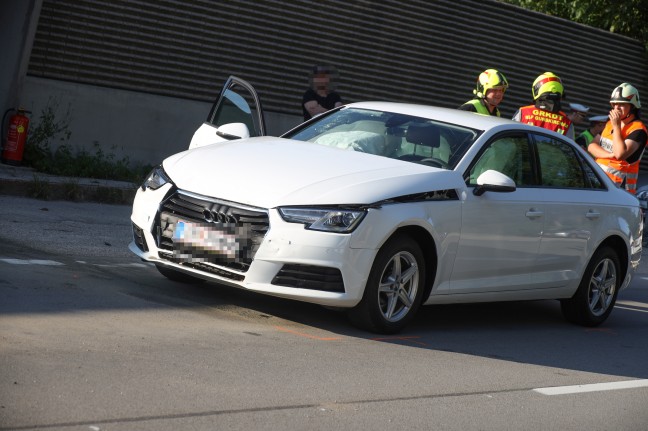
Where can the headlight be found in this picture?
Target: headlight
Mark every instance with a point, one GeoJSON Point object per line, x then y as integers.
{"type": "Point", "coordinates": [155, 179]}
{"type": "Point", "coordinates": [324, 219]}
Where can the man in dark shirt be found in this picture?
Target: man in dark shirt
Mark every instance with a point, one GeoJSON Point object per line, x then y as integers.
{"type": "Point", "coordinates": [321, 96]}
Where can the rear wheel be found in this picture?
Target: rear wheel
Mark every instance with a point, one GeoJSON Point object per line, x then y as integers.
{"type": "Point", "coordinates": [394, 288]}
{"type": "Point", "coordinates": [178, 276]}
{"type": "Point", "coordinates": [593, 301]}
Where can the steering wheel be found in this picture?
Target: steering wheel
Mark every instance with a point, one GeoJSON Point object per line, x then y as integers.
{"type": "Point", "coordinates": [435, 162]}
{"type": "Point", "coordinates": [357, 147]}
{"type": "Point", "coordinates": [410, 157]}
{"type": "Point", "coordinates": [426, 160]}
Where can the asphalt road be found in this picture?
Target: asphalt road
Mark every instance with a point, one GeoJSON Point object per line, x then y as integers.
{"type": "Point", "coordinates": [93, 339]}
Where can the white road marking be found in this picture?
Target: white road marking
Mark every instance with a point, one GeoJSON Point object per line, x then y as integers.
{"type": "Point", "coordinates": [595, 387]}
{"type": "Point", "coordinates": [31, 262]}
{"type": "Point", "coordinates": [631, 309]}
{"type": "Point", "coordinates": [633, 304]}
{"type": "Point", "coordinates": [55, 263]}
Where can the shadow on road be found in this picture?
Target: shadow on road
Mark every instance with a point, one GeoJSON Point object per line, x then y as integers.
{"type": "Point", "coordinates": [523, 332]}
{"type": "Point", "coordinates": [531, 332]}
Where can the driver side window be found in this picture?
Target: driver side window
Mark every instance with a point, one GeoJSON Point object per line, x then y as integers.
{"type": "Point", "coordinates": [238, 102]}
{"type": "Point", "coordinates": [559, 164]}
{"type": "Point", "coordinates": [508, 155]}
{"type": "Point", "coordinates": [234, 109]}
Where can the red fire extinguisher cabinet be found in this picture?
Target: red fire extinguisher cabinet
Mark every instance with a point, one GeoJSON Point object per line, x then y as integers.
{"type": "Point", "coordinates": [14, 145]}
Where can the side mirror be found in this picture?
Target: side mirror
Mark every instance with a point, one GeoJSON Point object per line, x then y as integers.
{"type": "Point", "coordinates": [494, 181]}
{"type": "Point", "coordinates": [233, 131]}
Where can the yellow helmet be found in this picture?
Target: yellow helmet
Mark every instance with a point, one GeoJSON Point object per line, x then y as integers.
{"type": "Point", "coordinates": [489, 79]}
{"type": "Point", "coordinates": [626, 93]}
{"type": "Point", "coordinates": [548, 82]}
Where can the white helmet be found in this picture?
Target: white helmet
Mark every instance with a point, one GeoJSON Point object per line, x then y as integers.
{"type": "Point", "coordinates": [626, 93]}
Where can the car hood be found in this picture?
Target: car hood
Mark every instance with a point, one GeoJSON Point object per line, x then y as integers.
{"type": "Point", "coordinates": [269, 172]}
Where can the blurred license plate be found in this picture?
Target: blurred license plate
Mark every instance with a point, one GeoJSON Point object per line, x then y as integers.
{"type": "Point", "coordinates": [199, 239]}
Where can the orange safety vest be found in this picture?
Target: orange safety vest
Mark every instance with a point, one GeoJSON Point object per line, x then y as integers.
{"type": "Point", "coordinates": [620, 170]}
{"type": "Point", "coordinates": [556, 121]}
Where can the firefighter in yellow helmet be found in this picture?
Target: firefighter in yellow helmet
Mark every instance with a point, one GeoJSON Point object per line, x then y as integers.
{"type": "Point", "coordinates": [546, 112]}
{"type": "Point", "coordinates": [619, 147]}
{"type": "Point", "coordinates": [489, 92]}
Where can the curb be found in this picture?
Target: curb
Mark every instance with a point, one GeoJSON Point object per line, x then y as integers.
{"type": "Point", "coordinates": [25, 182]}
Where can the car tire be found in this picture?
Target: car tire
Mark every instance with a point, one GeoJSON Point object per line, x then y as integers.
{"type": "Point", "coordinates": [394, 288]}
{"type": "Point", "coordinates": [594, 300]}
{"type": "Point", "coordinates": [178, 276]}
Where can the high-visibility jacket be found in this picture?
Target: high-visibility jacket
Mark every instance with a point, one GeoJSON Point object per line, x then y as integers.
{"type": "Point", "coordinates": [481, 108]}
{"type": "Point", "coordinates": [620, 171]}
{"type": "Point", "coordinates": [585, 138]}
{"type": "Point", "coordinates": [556, 121]}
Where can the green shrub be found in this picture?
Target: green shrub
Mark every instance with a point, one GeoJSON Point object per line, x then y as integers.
{"type": "Point", "coordinates": [67, 161]}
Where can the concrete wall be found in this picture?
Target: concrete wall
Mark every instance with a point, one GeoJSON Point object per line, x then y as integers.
{"type": "Point", "coordinates": [140, 76]}
{"type": "Point", "coordinates": [143, 127]}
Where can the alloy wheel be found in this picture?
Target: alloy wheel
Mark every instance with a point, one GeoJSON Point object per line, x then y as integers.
{"type": "Point", "coordinates": [602, 287]}
{"type": "Point", "coordinates": [398, 286]}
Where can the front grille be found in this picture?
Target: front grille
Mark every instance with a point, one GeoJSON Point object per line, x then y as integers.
{"type": "Point", "coordinates": [310, 277]}
{"type": "Point", "coordinates": [138, 237]}
{"type": "Point", "coordinates": [237, 230]}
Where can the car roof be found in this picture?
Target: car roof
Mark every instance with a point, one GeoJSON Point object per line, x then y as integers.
{"type": "Point", "coordinates": [455, 116]}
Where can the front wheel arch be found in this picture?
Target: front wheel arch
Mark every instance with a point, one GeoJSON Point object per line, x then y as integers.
{"type": "Point", "coordinates": [394, 288]}
{"type": "Point", "coordinates": [428, 246]}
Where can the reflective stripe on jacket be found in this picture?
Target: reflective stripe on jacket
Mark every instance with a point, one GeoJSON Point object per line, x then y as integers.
{"type": "Point", "coordinates": [556, 121]}
{"type": "Point", "coordinates": [620, 171]}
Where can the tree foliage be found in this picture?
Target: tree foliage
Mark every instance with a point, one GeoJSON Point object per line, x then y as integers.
{"type": "Point", "coordinates": [628, 18]}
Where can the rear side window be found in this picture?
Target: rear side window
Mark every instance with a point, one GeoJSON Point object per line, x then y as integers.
{"type": "Point", "coordinates": [561, 166]}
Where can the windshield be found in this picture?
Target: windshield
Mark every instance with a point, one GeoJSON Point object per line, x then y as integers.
{"type": "Point", "coordinates": [393, 135]}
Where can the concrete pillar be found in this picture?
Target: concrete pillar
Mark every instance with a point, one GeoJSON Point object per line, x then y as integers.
{"type": "Point", "coordinates": [18, 21]}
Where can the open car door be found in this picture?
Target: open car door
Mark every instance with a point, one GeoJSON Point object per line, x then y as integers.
{"type": "Point", "coordinates": [236, 114]}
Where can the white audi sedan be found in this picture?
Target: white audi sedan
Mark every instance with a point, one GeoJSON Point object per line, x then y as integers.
{"type": "Point", "coordinates": [378, 208]}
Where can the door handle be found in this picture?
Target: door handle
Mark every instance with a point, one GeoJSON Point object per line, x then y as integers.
{"type": "Point", "coordinates": [533, 213]}
{"type": "Point", "coordinates": [591, 214]}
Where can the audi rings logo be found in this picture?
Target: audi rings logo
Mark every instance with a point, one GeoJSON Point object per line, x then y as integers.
{"type": "Point", "coordinates": [214, 216]}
